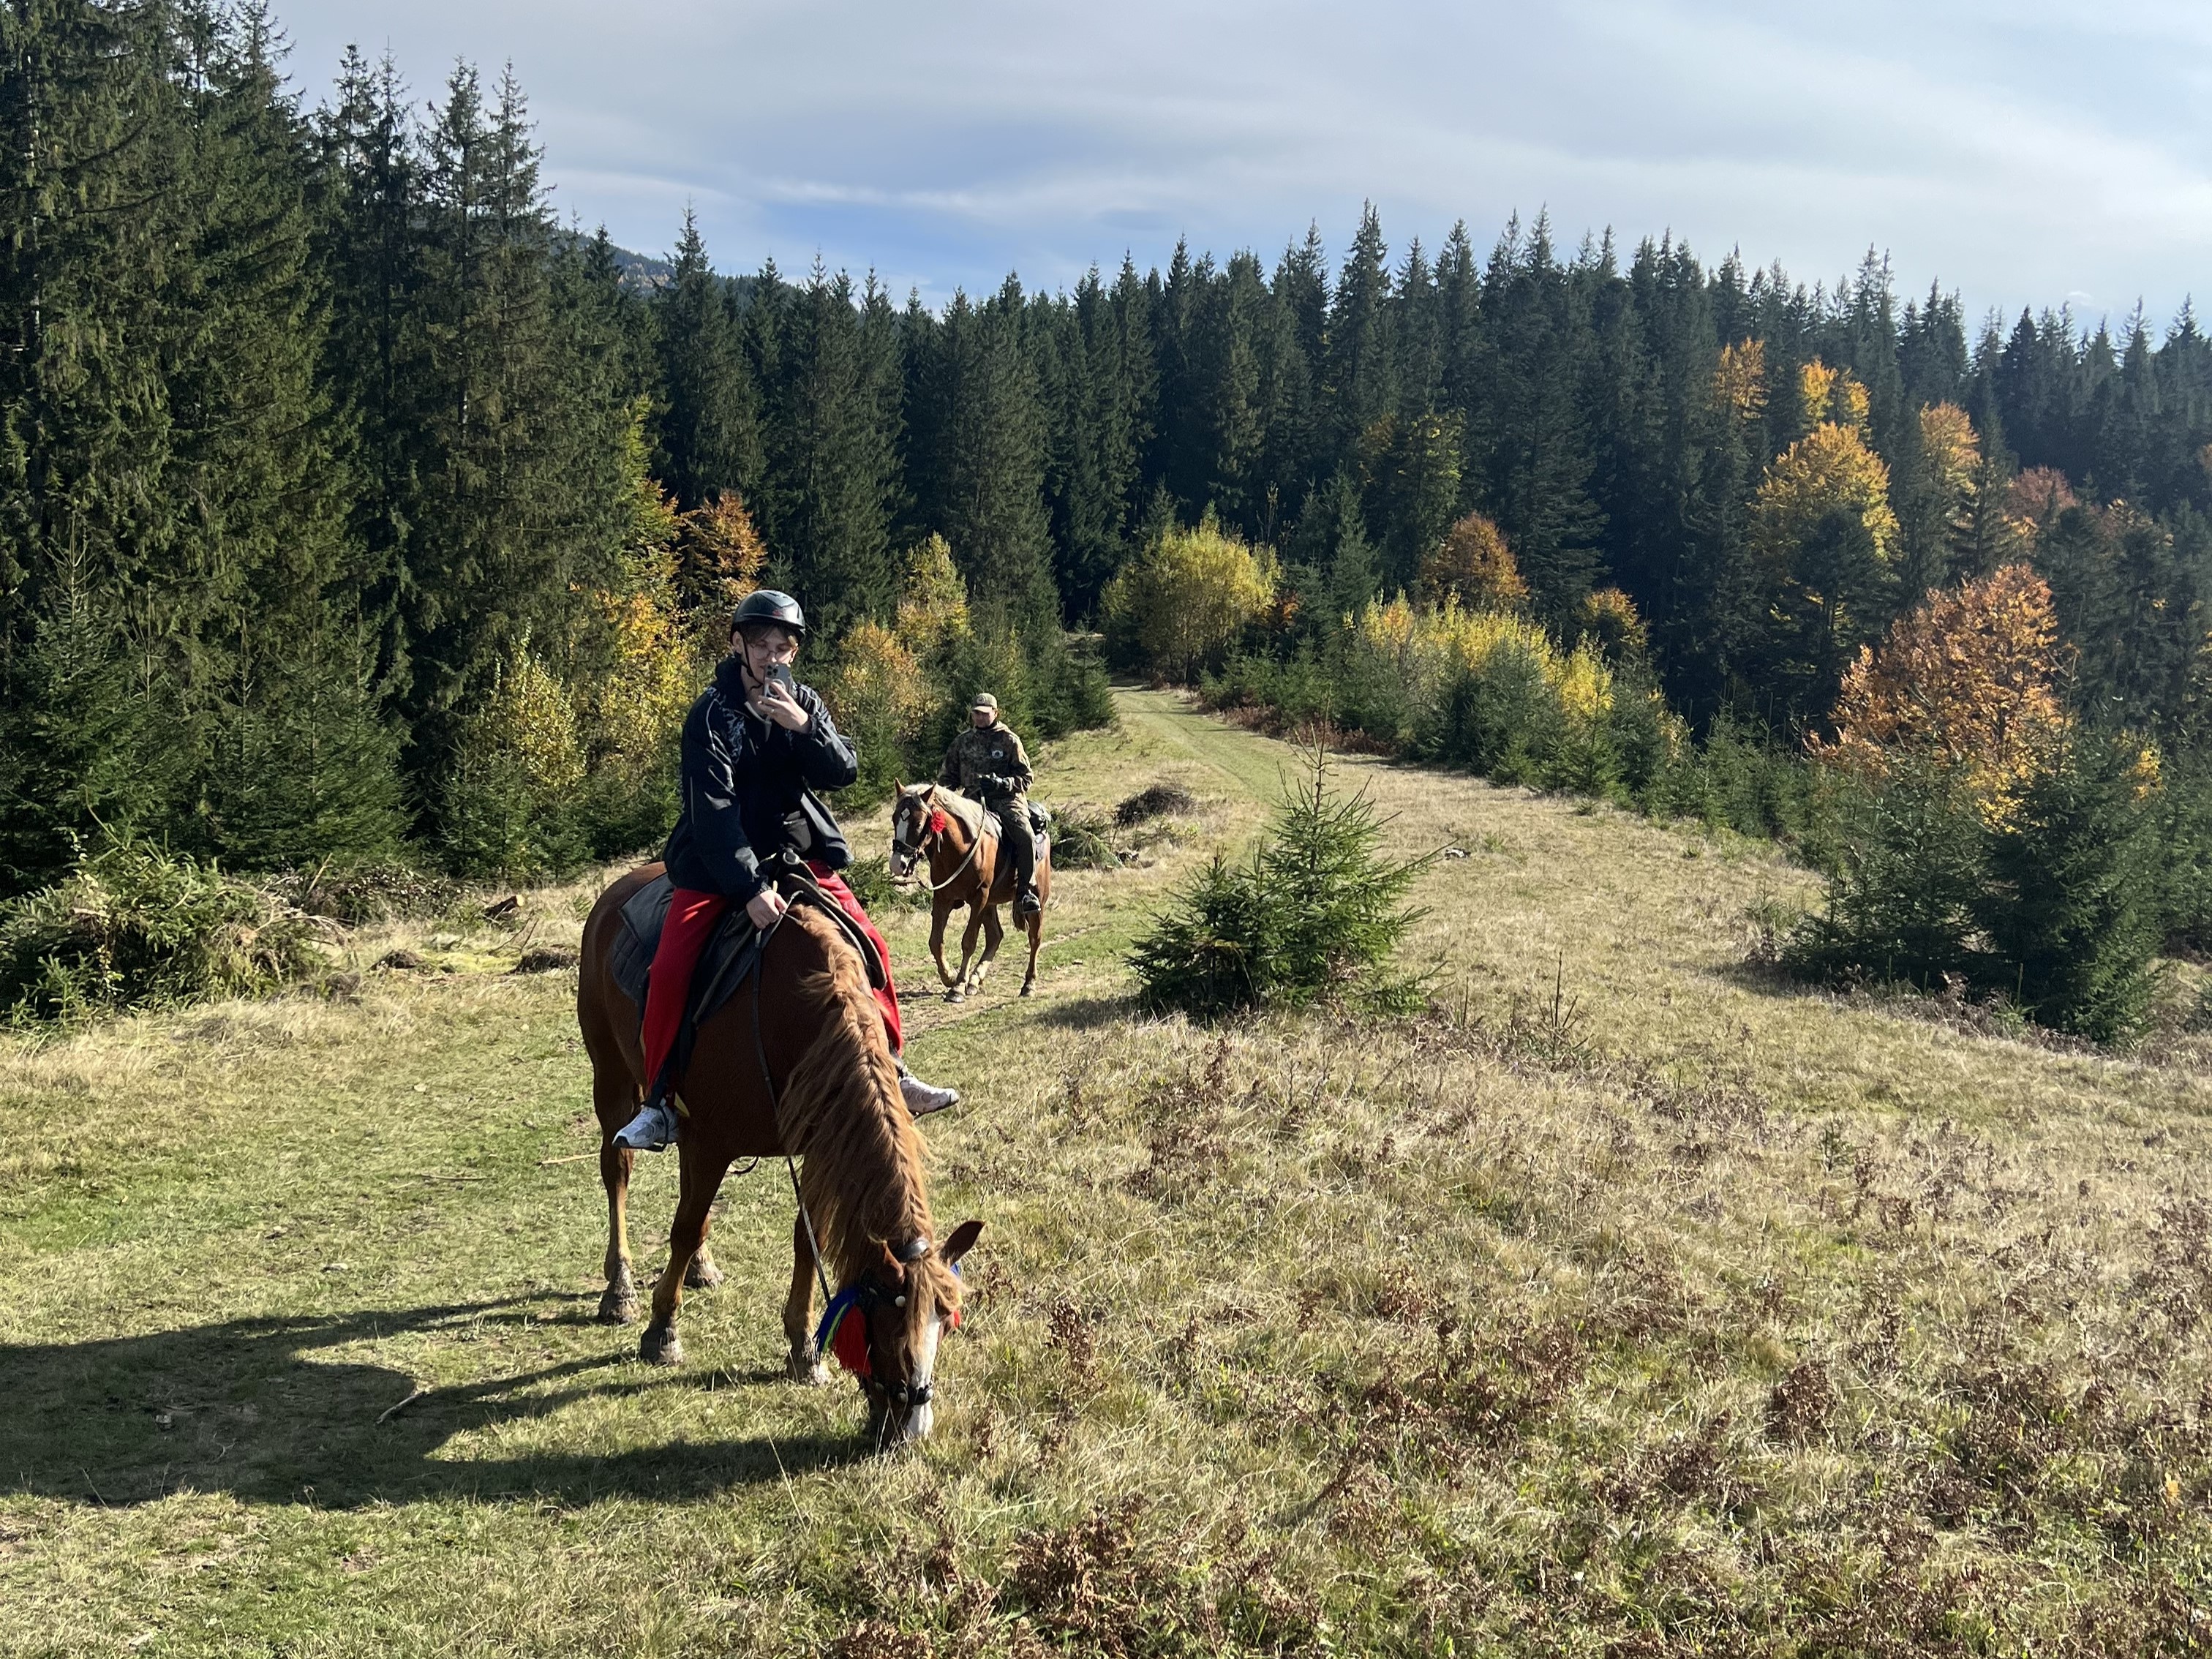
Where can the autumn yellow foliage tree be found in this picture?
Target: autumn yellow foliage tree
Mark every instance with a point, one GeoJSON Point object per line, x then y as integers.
{"type": "Point", "coordinates": [1473, 564]}
{"type": "Point", "coordinates": [1830, 396]}
{"type": "Point", "coordinates": [1740, 378]}
{"type": "Point", "coordinates": [881, 696]}
{"type": "Point", "coordinates": [516, 767]}
{"type": "Point", "coordinates": [1829, 470]}
{"type": "Point", "coordinates": [1608, 619]}
{"type": "Point", "coordinates": [1940, 507]}
{"type": "Point", "coordinates": [681, 574]}
{"type": "Point", "coordinates": [1185, 600]}
{"type": "Point", "coordinates": [932, 607]}
{"type": "Point", "coordinates": [1970, 678]}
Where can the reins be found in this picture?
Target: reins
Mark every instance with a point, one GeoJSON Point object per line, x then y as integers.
{"type": "Point", "coordinates": [768, 1081]}
{"type": "Point", "coordinates": [907, 1395]}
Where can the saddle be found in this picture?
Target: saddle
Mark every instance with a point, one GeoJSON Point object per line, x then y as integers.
{"type": "Point", "coordinates": [1040, 825]}
{"type": "Point", "coordinates": [732, 956]}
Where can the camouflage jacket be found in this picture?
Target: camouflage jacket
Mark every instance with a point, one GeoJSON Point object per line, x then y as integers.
{"type": "Point", "coordinates": [987, 765]}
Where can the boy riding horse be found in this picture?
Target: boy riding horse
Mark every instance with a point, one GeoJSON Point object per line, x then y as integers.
{"type": "Point", "coordinates": [758, 748]}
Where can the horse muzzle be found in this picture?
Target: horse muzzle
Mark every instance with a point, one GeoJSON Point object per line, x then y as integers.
{"type": "Point", "coordinates": [898, 1416]}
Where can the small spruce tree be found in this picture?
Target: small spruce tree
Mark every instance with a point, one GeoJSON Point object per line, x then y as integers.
{"type": "Point", "coordinates": [1314, 910]}
{"type": "Point", "coordinates": [2067, 908]}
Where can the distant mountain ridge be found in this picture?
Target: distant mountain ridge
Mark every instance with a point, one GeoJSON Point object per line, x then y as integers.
{"type": "Point", "coordinates": [645, 272]}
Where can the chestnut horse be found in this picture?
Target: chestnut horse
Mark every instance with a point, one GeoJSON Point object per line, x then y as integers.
{"type": "Point", "coordinates": [964, 869]}
{"type": "Point", "coordinates": [796, 1064]}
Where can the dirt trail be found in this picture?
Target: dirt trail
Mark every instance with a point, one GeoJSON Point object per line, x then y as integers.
{"type": "Point", "coordinates": [1244, 758]}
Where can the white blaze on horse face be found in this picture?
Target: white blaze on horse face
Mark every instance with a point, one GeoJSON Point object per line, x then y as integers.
{"type": "Point", "coordinates": [918, 1420]}
{"type": "Point", "coordinates": [901, 862]}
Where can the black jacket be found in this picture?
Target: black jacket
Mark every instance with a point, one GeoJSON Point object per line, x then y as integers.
{"type": "Point", "coordinates": [747, 783]}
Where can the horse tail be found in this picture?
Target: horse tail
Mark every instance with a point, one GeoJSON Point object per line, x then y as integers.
{"type": "Point", "coordinates": [842, 1114]}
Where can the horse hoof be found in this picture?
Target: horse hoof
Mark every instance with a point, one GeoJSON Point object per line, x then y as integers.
{"type": "Point", "coordinates": [806, 1369]}
{"type": "Point", "coordinates": [955, 996]}
{"type": "Point", "coordinates": [702, 1276]}
{"type": "Point", "coordinates": [1026, 989]}
{"type": "Point", "coordinates": [617, 1307]}
{"type": "Point", "coordinates": [660, 1346]}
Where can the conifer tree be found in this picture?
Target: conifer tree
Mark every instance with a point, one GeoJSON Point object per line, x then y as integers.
{"type": "Point", "coordinates": [92, 727]}
{"type": "Point", "coordinates": [832, 477]}
{"type": "Point", "coordinates": [980, 444]}
{"type": "Point", "coordinates": [1099, 432]}
{"type": "Point", "coordinates": [710, 438]}
{"type": "Point", "coordinates": [1360, 372]}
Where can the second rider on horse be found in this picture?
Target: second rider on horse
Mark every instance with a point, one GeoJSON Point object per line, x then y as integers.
{"type": "Point", "coordinates": [758, 748]}
{"type": "Point", "coordinates": [986, 761]}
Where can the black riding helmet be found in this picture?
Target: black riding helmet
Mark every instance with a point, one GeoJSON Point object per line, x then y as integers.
{"type": "Point", "coordinates": [765, 605]}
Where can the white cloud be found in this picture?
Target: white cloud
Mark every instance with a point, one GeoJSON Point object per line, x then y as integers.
{"type": "Point", "coordinates": [2018, 149]}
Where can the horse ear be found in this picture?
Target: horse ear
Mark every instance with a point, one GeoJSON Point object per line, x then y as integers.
{"type": "Point", "coordinates": [962, 1241]}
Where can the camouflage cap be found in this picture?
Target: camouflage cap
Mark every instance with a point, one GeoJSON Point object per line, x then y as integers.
{"type": "Point", "coordinates": [984, 700]}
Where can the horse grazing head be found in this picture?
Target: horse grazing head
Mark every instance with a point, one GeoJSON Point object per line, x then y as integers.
{"type": "Point", "coordinates": [917, 820]}
{"type": "Point", "coordinates": [884, 1328]}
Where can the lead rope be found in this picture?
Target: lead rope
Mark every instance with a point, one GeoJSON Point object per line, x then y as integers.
{"type": "Point", "coordinates": [767, 1078]}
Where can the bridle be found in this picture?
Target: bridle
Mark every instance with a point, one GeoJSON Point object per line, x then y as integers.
{"type": "Point", "coordinates": [863, 1294]}
{"type": "Point", "coordinates": [863, 1297]}
{"type": "Point", "coordinates": [912, 852]}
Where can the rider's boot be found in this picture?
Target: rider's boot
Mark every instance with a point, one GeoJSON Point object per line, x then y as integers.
{"type": "Point", "coordinates": [1026, 901]}
{"type": "Point", "coordinates": [653, 1128]}
{"type": "Point", "coordinates": [923, 1098]}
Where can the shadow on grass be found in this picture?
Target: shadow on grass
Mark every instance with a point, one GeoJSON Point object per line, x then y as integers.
{"type": "Point", "coordinates": [1087, 1013]}
{"type": "Point", "coordinates": [245, 1407]}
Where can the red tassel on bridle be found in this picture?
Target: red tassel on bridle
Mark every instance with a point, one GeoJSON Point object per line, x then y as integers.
{"type": "Point", "coordinates": [938, 821]}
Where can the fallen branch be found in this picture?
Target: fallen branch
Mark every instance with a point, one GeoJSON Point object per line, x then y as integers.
{"type": "Point", "coordinates": [393, 1411]}
{"type": "Point", "coordinates": [573, 1157]}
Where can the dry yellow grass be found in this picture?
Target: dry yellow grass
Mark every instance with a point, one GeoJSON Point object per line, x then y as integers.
{"type": "Point", "coordinates": [1624, 1302]}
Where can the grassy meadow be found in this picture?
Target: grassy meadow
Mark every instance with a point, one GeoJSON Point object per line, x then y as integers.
{"type": "Point", "coordinates": [1626, 1301]}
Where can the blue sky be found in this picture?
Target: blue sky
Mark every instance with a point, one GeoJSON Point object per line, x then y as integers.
{"type": "Point", "coordinates": [2020, 151]}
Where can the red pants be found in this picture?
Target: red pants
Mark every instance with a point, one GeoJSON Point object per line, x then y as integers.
{"type": "Point", "coordinates": [690, 924]}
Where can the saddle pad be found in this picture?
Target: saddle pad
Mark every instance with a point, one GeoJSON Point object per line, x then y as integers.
{"type": "Point", "coordinates": [730, 957]}
{"type": "Point", "coordinates": [1040, 824]}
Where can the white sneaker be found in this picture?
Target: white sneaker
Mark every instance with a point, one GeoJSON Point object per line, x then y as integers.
{"type": "Point", "coordinates": [923, 1098]}
{"type": "Point", "coordinates": [650, 1131]}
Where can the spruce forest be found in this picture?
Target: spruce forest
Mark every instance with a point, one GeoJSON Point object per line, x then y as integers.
{"type": "Point", "coordinates": [356, 507]}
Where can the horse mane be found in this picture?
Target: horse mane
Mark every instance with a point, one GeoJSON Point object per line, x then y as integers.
{"type": "Point", "coordinates": [843, 1115]}
{"type": "Point", "coordinates": [968, 811]}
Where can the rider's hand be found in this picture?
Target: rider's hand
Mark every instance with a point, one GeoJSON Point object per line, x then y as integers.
{"type": "Point", "coordinates": [777, 704]}
{"type": "Point", "coordinates": [764, 907]}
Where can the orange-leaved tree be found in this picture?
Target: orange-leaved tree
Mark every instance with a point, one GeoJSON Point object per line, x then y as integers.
{"type": "Point", "coordinates": [1970, 679]}
{"type": "Point", "coordinates": [2034, 500]}
{"type": "Point", "coordinates": [718, 556]}
{"type": "Point", "coordinates": [1473, 563]}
